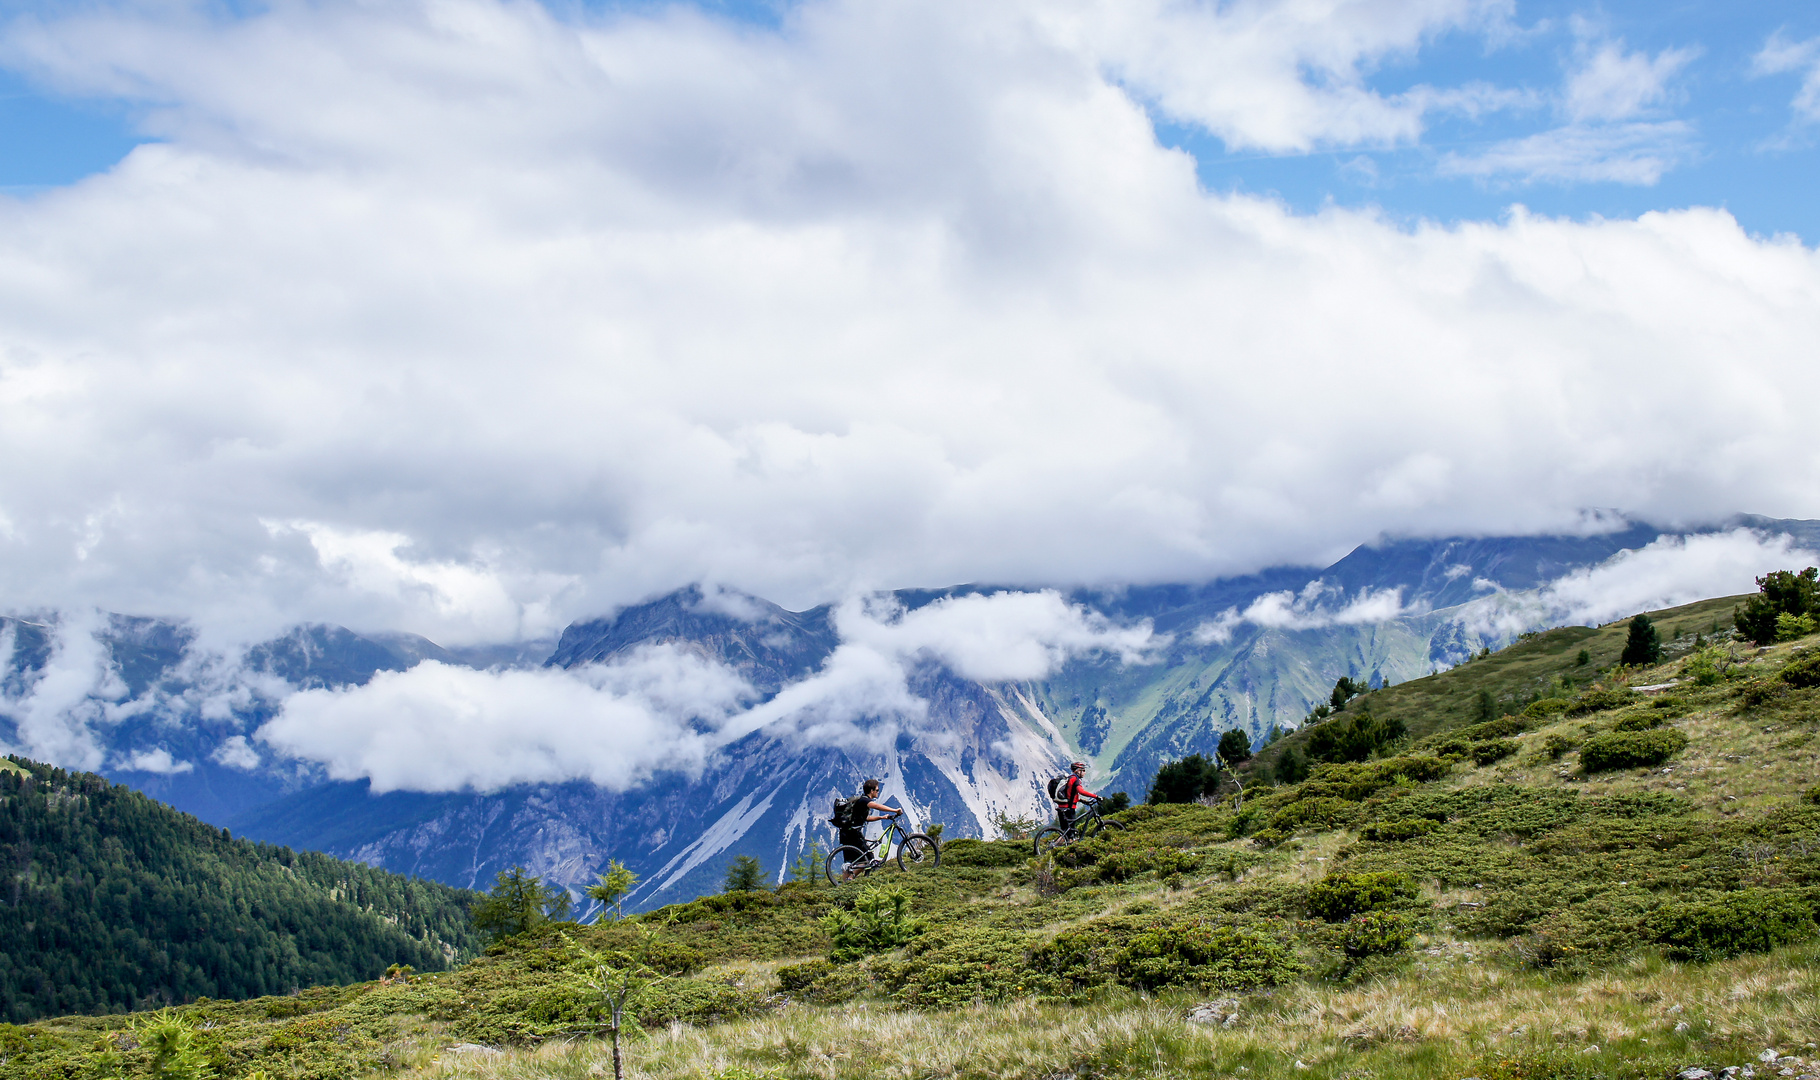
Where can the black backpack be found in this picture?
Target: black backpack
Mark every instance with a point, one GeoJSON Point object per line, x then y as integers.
{"type": "Point", "coordinates": [1056, 785]}
{"type": "Point", "coordinates": [850, 813]}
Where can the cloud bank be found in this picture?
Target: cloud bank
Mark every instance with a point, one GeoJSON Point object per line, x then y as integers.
{"type": "Point", "coordinates": [465, 318]}
{"type": "Point", "coordinates": [437, 727]}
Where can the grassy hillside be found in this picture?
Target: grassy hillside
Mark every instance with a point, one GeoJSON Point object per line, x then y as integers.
{"type": "Point", "coordinates": [114, 901]}
{"type": "Point", "coordinates": [1555, 912]}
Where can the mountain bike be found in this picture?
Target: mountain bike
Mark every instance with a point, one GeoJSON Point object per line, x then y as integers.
{"type": "Point", "coordinates": [1087, 824]}
{"type": "Point", "coordinates": [914, 850]}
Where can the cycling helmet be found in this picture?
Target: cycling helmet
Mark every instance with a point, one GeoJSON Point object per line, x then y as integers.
{"type": "Point", "coordinates": [1080, 765]}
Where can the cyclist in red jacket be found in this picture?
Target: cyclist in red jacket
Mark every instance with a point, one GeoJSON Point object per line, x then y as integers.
{"type": "Point", "coordinates": [1072, 794]}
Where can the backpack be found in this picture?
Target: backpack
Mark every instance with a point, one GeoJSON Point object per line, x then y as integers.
{"type": "Point", "coordinates": [850, 813]}
{"type": "Point", "coordinates": [1057, 788]}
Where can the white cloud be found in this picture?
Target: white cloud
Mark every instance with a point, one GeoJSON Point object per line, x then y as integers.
{"type": "Point", "coordinates": [519, 318]}
{"type": "Point", "coordinates": [441, 728]}
{"type": "Point", "coordinates": [1312, 609]}
{"type": "Point", "coordinates": [1636, 153]}
{"type": "Point", "coordinates": [1612, 83]}
{"type": "Point", "coordinates": [156, 760]}
{"type": "Point", "coordinates": [1616, 131]}
{"type": "Point", "coordinates": [1669, 572]}
{"type": "Point", "coordinates": [1780, 55]}
{"type": "Point", "coordinates": [236, 753]}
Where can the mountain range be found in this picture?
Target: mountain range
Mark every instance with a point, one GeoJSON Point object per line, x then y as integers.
{"type": "Point", "coordinates": [1250, 653]}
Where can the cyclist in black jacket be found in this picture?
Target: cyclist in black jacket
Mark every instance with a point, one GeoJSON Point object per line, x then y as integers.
{"type": "Point", "coordinates": [855, 835]}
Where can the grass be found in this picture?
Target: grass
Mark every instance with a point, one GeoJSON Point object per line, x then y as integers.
{"type": "Point", "coordinates": [1541, 897]}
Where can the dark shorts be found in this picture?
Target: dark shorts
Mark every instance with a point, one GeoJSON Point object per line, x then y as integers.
{"type": "Point", "coordinates": [853, 838]}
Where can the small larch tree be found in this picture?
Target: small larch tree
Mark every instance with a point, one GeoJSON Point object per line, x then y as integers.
{"type": "Point", "coordinates": [744, 874]}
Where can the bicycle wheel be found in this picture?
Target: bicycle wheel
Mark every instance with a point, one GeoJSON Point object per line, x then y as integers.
{"type": "Point", "coordinates": [919, 851]}
{"type": "Point", "coordinates": [1048, 839]}
{"type": "Point", "coordinates": [841, 858]}
{"type": "Point", "coordinates": [1099, 825]}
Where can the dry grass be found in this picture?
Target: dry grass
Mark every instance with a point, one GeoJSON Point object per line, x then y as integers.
{"type": "Point", "coordinates": [1450, 1010]}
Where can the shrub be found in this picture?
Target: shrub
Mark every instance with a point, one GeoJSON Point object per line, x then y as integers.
{"type": "Point", "coordinates": [1703, 668]}
{"type": "Point", "coordinates": [970, 852]}
{"type": "Point", "coordinates": [799, 976]}
{"type": "Point", "coordinates": [1803, 673]}
{"type": "Point", "coordinates": [1547, 707]}
{"type": "Point", "coordinates": [1377, 933]}
{"type": "Point", "coordinates": [1790, 627]}
{"type": "Point", "coordinates": [1646, 722]}
{"type": "Point", "coordinates": [1354, 736]}
{"type": "Point", "coordinates": [1223, 957]}
{"type": "Point", "coordinates": [1485, 753]}
{"type": "Point", "coordinates": [1502, 728]}
{"type": "Point", "coordinates": [1318, 813]}
{"type": "Point", "coordinates": [1630, 749]}
{"type": "Point", "coordinates": [1754, 920]}
{"type": "Point", "coordinates": [1599, 700]}
{"type": "Point", "coordinates": [1291, 767]}
{"type": "Point", "coordinates": [1339, 897]}
{"type": "Point", "coordinates": [880, 920]}
{"type": "Point", "coordinates": [1400, 829]}
{"type": "Point", "coordinates": [1555, 746]}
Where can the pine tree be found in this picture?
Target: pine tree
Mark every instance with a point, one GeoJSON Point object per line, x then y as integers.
{"type": "Point", "coordinates": [744, 874]}
{"type": "Point", "coordinates": [1235, 746]}
{"type": "Point", "coordinates": [1644, 646]}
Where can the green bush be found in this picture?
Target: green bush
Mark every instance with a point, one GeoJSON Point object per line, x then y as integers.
{"type": "Point", "coordinates": [988, 853]}
{"type": "Point", "coordinates": [1354, 736]}
{"type": "Point", "coordinates": [1320, 813]}
{"type": "Point", "coordinates": [1803, 673]}
{"type": "Point", "coordinates": [1377, 933]}
{"type": "Point", "coordinates": [1216, 957]}
{"type": "Point", "coordinates": [1400, 829]}
{"type": "Point", "coordinates": [1556, 745]}
{"type": "Point", "coordinates": [1754, 920]}
{"type": "Point", "coordinates": [1544, 709]}
{"type": "Point", "coordinates": [1485, 753]}
{"type": "Point", "coordinates": [1600, 700]}
{"type": "Point", "coordinates": [1646, 722]}
{"type": "Point", "coordinates": [962, 965]}
{"type": "Point", "coordinates": [800, 976]}
{"type": "Point", "coordinates": [880, 921]}
{"type": "Point", "coordinates": [1630, 749]}
{"type": "Point", "coordinates": [1339, 897]}
{"type": "Point", "coordinates": [1502, 728]}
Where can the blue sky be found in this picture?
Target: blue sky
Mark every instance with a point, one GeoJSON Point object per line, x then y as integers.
{"type": "Point", "coordinates": [1742, 146]}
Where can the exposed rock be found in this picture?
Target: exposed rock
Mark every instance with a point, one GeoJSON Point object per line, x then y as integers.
{"type": "Point", "coordinates": [1224, 1012]}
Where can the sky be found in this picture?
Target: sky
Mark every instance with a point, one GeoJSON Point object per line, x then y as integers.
{"type": "Point", "coordinates": [470, 317]}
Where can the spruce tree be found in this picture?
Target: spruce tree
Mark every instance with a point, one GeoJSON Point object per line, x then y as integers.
{"type": "Point", "coordinates": [1644, 645]}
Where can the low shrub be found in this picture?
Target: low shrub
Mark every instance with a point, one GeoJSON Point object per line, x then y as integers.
{"type": "Point", "coordinates": [1556, 746]}
{"type": "Point", "coordinates": [1600, 700]}
{"type": "Point", "coordinates": [1502, 728]}
{"type": "Point", "coordinates": [880, 920]}
{"type": "Point", "coordinates": [1630, 749]}
{"type": "Point", "coordinates": [800, 976]}
{"type": "Point", "coordinates": [1124, 865]}
{"type": "Point", "coordinates": [1646, 722]}
{"type": "Point", "coordinates": [1377, 933]}
{"type": "Point", "coordinates": [1322, 813]}
{"type": "Point", "coordinates": [1339, 897]}
{"type": "Point", "coordinates": [1485, 753]}
{"type": "Point", "coordinates": [1544, 709]}
{"type": "Point", "coordinates": [989, 853]}
{"type": "Point", "coordinates": [962, 965]}
{"type": "Point", "coordinates": [1804, 672]}
{"type": "Point", "coordinates": [1215, 957]}
{"type": "Point", "coordinates": [1757, 693]}
{"type": "Point", "coordinates": [1398, 830]}
{"type": "Point", "coordinates": [1753, 920]}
